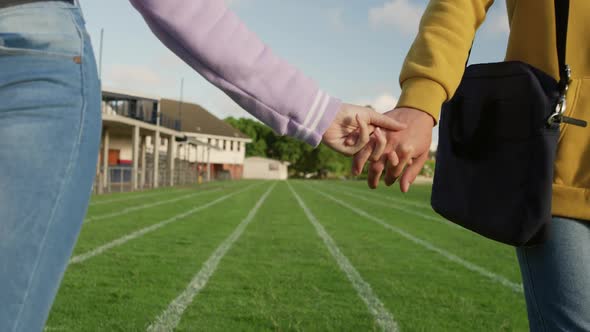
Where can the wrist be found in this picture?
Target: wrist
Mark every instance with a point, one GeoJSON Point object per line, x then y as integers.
{"type": "Point", "coordinates": [412, 114]}
{"type": "Point", "coordinates": [423, 94]}
{"type": "Point", "coordinates": [428, 118]}
{"type": "Point", "coordinates": [333, 108]}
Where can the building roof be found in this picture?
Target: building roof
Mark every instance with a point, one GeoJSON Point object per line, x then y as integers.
{"type": "Point", "coordinates": [196, 119]}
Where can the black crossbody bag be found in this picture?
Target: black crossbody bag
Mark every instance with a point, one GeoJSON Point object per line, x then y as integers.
{"type": "Point", "coordinates": [497, 143]}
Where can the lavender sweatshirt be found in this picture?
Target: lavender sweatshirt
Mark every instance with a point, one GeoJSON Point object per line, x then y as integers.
{"type": "Point", "coordinates": [211, 39]}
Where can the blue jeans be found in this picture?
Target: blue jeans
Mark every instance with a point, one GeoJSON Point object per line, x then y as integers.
{"type": "Point", "coordinates": [556, 277]}
{"type": "Point", "coordinates": [49, 140]}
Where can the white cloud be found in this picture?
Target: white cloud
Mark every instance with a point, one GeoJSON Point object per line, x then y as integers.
{"type": "Point", "coordinates": [382, 103]}
{"type": "Point", "coordinates": [400, 14]}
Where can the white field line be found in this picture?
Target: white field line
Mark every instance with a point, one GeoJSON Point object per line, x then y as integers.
{"type": "Point", "coordinates": [137, 196]}
{"type": "Point", "coordinates": [148, 205]}
{"type": "Point", "coordinates": [368, 192]}
{"type": "Point", "coordinates": [419, 214]}
{"type": "Point", "coordinates": [124, 239]}
{"type": "Point", "coordinates": [382, 316]}
{"type": "Point", "coordinates": [516, 287]}
{"type": "Point", "coordinates": [149, 194]}
{"type": "Point", "coordinates": [169, 319]}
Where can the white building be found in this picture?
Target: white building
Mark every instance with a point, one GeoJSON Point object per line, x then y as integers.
{"type": "Point", "coordinates": [217, 142]}
{"type": "Point", "coordinates": [266, 169]}
{"type": "Point", "coordinates": [184, 134]}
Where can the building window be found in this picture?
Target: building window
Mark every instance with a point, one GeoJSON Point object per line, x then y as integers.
{"type": "Point", "coordinates": [239, 146]}
{"type": "Point", "coordinates": [209, 141]}
{"type": "Point", "coordinates": [224, 145]}
{"type": "Point", "coordinates": [273, 167]}
{"type": "Point", "coordinates": [231, 145]}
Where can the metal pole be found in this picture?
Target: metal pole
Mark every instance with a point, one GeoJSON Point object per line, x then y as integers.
{"type": "Point", "coordinates": [171, 150]}
{"type": "Point", "coordinates": [156, 144]}
{"type": "Point", "coordinates": [105, 156]}
{"type": "Point", "coordinates": [109, 178]}
{"type": "Point", "coordinates": [203, 162]}
{"type": "Point", "coordinates": [187, 158]}
{"type": "Point", "coordinates": [135, 170]}
{"type": "Point", "coordinates": [180, 103]}
{"type": "Point", "coordinates": [98, 183]}
{"type": "Point", "coordinates": [143, 161]}
{"type": "Point", "coordinates": [208, 164]}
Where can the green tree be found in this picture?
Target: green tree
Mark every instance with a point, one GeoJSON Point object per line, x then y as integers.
{"type": "Point", "coordinates": [255, 130]}
{"type": "Point", "coordinates": [304, 159]}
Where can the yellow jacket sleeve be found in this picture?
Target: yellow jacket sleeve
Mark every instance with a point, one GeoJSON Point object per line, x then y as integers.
{"type": "Point", "coordinates": [435, 63]}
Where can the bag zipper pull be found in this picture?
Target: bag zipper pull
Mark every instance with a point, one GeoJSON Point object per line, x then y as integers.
{"type": "Point", "coordinates": [574, 122]}
{"type": "Point", "coordinates": [558, 117]}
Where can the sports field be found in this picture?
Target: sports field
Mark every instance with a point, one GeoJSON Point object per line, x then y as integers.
{"type": "Point", "coordinates": [283, 256]}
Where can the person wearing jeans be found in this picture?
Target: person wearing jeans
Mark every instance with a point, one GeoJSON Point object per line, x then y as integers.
{"type": "Point", "coordinates": [556, 276]}
{"type": "Point", "coordinates": [50, 125]}
{"type": "Point", "coordinates": [49, 140]}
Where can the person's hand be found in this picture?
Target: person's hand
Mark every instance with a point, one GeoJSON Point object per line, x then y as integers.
{"type": "Point", "coordinates": [351, 129]}
{"type": "Point", "coordinates": [400, 153]}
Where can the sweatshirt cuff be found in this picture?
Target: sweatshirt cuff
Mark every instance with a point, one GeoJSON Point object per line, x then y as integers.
{"type": "Point", "coordinates": [313, 134]}
{"type": "Point", "coordinates": [423, 94]}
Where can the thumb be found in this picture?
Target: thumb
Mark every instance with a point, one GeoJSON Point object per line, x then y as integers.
{"type": "Point", "coordinates": [385, 122]}
{"type": "Point", "coordinates": [365, 132]}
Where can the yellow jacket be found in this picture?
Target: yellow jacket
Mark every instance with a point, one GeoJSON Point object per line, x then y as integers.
{"type": "Point", "coordinates": [434, 67]}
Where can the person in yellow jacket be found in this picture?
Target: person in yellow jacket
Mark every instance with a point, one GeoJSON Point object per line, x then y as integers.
{"type": "Point", "coordinates": [556, 275]}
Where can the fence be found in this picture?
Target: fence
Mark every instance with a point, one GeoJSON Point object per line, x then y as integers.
{"type": "Point", "coordinates": [119, 178]}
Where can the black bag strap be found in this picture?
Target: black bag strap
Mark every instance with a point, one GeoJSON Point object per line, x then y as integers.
{"type": "Point", "coordinates": [561, 23]}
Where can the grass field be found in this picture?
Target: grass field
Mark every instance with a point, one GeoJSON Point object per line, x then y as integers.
{"type": "Point", "coordinates": [283, 256]}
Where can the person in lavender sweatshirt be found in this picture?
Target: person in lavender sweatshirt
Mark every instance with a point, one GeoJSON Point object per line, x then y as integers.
{"type": "Point", "coordinates": [210, 38]}
{"type": "Point", "coordinates": [50, 115]}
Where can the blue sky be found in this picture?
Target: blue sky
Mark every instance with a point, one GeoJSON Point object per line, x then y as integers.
{"type": "Point", "coordinates": [354, 49]}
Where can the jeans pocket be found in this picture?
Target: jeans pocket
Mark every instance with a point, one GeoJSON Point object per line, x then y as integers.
{"type": "Point", "coordinates": [39, 31]}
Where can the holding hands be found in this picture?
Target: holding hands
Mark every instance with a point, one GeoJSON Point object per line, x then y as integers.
{"type": "Point", "coordinates": [398, 145]}
{"type": "Point", "coordinates": [351, 130]}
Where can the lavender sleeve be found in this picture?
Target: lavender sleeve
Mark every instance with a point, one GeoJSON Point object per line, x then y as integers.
{"type": "Point", "coordinates": [210, 38]}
